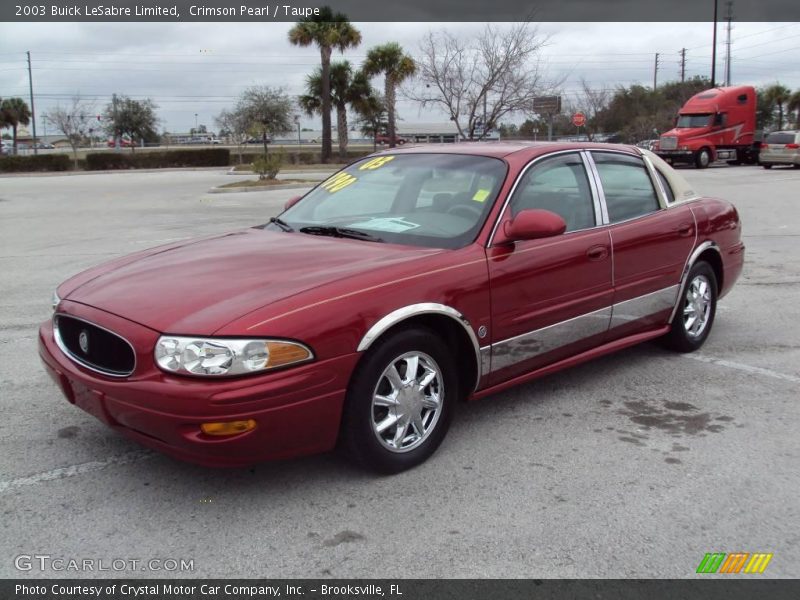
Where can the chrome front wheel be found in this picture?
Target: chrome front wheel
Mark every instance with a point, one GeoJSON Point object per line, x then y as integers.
{"type": "Point", "coordinates": [695, 312]}
{"type": "Point", "coordinates": [400, 400]}
{"type": "Point", "coordinates": [407, 401]}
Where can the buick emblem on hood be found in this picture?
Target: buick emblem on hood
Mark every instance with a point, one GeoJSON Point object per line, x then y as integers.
{"type": "Point", "coordinates": [83, 341]}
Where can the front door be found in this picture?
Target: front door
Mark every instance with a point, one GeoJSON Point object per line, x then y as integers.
{"type": "Point", "coordinates": [550, 297]}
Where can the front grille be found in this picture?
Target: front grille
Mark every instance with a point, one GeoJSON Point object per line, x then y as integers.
{"type": "Point", "coordinates": [94, 347]}
{"type": "Point", "coordinates": [668, 142]}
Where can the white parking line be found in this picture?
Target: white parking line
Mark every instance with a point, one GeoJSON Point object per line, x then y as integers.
{"type": "Point", "coordinates": [72, 470]}
{"type": "Point", "coordinates": [742, 367]}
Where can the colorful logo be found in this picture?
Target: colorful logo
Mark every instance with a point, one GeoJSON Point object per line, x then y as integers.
{"type": "Point", "coordinates": [737, 562]}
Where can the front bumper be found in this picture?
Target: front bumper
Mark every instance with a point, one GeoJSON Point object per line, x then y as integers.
{"type": "Point", "coordinates": [297, 410]}
{"type": "Point", "coordinates": [676, 155]}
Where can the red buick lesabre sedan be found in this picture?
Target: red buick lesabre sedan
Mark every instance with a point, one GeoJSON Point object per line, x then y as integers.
{"type": "Point", "coordinates": [404, 284]}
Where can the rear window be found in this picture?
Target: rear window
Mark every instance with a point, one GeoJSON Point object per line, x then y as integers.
{"type": "Point", "coordinates": [780, 138]}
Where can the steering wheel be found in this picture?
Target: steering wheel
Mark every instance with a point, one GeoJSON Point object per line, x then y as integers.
{"type": "Point", "coordinates": [465, 210]}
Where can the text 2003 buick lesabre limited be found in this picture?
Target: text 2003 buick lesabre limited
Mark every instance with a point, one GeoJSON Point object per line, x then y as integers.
{"type": "Point", "coordinates": [400, 286]}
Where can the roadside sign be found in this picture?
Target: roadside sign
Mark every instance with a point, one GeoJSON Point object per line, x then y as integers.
{"type": "Point", "coordinates": [547, 105]}
{"type": "Point", "coordinates": [579, 119]}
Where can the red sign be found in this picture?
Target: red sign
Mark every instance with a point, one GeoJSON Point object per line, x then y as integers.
{"type": "Point", "coordinates": [579, 119]}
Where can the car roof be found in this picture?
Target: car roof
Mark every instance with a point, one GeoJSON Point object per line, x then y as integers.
{"type": "Point", "coordinates": [506, 148]}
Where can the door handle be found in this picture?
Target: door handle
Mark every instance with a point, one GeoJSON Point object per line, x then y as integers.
{"type": "Point", "coordinates": [685, 229]}
{"type": "Point", "coordinates": [597, 252]}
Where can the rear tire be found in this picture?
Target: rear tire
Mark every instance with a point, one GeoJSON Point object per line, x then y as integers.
{"type": "Point", "coordinates": [696, 310]}
{"type": "Point", "coordinates": [394, 418]}
{"type": "Point", "coordinates": [767, 166]}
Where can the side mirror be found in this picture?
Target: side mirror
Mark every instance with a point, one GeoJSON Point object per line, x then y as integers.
{"type": "Point", "coordinates": [291, 202]}
{"type": "Point", "coordinates": [534, 223]}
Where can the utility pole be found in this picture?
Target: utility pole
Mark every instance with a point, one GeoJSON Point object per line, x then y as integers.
{"type": "Point", "coordinates": [714, 50]}
{"type": "Point", "coordinates": [655, 73]}
{"type": "Point", "coordinates": [683, 64]}
{"type": "Point", "coordinates": [33, 113]}
{"type": "Point", "coordinates": [729, 18]}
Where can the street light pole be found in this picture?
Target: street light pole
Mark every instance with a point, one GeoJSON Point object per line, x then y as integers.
{"type": "Point", "coordinates": [297, 122]}
{"type": "Point", "coordinates": [195, 123]}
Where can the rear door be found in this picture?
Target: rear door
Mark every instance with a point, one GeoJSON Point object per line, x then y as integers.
{"type": "Point", "coordinates": [650, 242]}
{"type": "Point", "coordinates": [550, 297]}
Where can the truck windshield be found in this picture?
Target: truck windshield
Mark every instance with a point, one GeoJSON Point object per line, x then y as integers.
{"type": "Point", "coordinates": [694, 120]}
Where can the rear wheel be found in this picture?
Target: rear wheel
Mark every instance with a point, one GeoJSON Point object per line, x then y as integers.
{"type": "Point", "coordinates": [767, 166]}
{"type": "Point", "coordinates": [696, 310]}
{"type": "Point", "coordinates": [400, 401]}
{"type": "Point", "coordinates": [703, 158]}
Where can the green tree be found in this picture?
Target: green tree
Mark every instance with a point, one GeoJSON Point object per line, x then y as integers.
{"type": "Point", "coordinates": [327, 30]}
{"type": "Point", "coordinates": [371, 111]}
{"type": "Point", "coordinates": [134, 119]}
{"type": "Point", "coordinates": [265, 111]}
{"type": "Point", "coordinates": [778, 95]}
{"type": "Point", "coordinates": [793, 105]}
{"type": "Point", "coordinates": [347, 88]}
{"type": "Point", "coordinates": [15, 112]}
{"type": "Point", "coordinates": [396, 66]}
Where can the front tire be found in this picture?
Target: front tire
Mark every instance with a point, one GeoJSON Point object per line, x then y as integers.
{"type": "Point", "coordinates": [696, 310]}
{"type": "Point", "coordinates": [703, 158]}
{"type": "Point", "coordinates": [400, 401]}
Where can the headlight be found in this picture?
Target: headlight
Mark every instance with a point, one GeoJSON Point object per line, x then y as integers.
{"type": "Point", "coordinates": [218, 356]}
{"type": "Point", "coordinates": [55, 300]}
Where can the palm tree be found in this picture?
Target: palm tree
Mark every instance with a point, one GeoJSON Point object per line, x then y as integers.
{"type": "Point", "coordinates": [346, 88]}
{"type": "Point", "coordinates": [793, 105]}
{"type": "Point", "coordinates": [396, 67]}
{"type": "Point", "coordinates": [328, 30]}
{"type": "Point", "coordinates": [15, 113]}
{"type": "Point", "coordinates": [778, 95]}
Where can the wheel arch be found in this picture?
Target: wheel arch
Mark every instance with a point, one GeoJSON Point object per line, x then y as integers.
{"type": "Point", "coordinates": [450, 323]}
{"type": "Point", "coordinates": [708, 252]}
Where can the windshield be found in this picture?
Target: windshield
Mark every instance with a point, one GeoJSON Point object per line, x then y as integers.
{"type": "Point", "coordinates": [431, 200]}
{"type": "Point", "coordinates": [703, 120]}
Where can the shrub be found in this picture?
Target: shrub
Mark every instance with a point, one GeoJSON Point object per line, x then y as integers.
{"type": "Point", "coordinates": [40, 162]}
{"type": "Point", "coordinates": [268, 166]}
{"type": "Point", "coordinates": [161, 159]}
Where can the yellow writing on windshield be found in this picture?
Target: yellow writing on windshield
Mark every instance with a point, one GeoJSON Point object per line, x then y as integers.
{"type": "Point", "coordinates": [375, 163]}
{"type": "Point", "coordinates": [338, 181]}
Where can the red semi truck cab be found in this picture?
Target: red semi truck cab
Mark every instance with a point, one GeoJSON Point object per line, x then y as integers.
{"type": "Point", "coordinates": [716, 124]}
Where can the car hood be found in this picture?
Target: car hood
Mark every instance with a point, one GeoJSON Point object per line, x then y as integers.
{"type": "Point", "coordinates": [197, 287]}
{"type": "Point", "coordinates": [687, 132]}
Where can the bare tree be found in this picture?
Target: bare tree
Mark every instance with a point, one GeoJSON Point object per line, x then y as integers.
{"type": "Point", "coordinates": [479, 80]}
{"type": "Point", "coordinates": [77, 122]}
{"type": "Point", "coordinates": [235, 127]}
{"type": "Point", "coordinates": [590, 102]}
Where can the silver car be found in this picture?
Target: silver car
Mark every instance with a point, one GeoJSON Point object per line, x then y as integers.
{"type": "Point", "coordinates": [780, 148]}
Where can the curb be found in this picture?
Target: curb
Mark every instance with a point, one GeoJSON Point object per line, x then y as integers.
{"type": "Point", "coordinates": [240, 190]}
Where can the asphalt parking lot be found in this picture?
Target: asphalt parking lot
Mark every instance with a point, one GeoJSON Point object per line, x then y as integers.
{"type": "Point", "coordinates": [634, 465]}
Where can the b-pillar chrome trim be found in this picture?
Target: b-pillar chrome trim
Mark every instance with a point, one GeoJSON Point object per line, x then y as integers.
{"type": "Point", "coordinates": [424, 308]}
{"type": "Point", "coordinates": [688, 267]}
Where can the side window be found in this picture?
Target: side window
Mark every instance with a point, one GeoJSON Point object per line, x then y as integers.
{"type": "Point", "coordinates": [627, 186]}
{"type": "Point", "coordinates": [667, 189]}
{"type": "Point", "coordinates": [560, 185]}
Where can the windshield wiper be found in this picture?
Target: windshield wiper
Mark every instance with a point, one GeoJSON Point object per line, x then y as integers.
{"type": "Point", "coordinates": [343, 232]}
{"type": "Point", "coordinates": [281, 223]}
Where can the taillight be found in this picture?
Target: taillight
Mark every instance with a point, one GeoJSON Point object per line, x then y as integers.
{"type": "Point", "coordinates": [793, 146]}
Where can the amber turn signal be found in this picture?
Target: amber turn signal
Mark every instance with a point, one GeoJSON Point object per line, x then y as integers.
{"type": "Point", "coordinates": [228, 428]}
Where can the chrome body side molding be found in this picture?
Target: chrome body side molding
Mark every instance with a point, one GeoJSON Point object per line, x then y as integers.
{"type": "Point", "coordinates": [531, 344]}
{"type": "Point", "coordinates": [643, 306]}
{"type": "Point", "coordinates": [424, 308]}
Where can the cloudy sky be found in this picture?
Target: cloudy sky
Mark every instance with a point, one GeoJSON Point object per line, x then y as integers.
{"type": "Point", "coordinates": [200, 68]}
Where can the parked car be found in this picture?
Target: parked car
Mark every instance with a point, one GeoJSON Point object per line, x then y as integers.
{"type": "Point", "coordinates": [385, 139]}
{"type": "Point", "coordinates": [648, 144]}
{"type": "Point", "coordinates": [123, 143]}
{"type": "Point", "coordinates": [780, 148]}
{"type": "Point", "coordinates": [257, 140]}
{"type": "Point", "coordinates": [402, 285]}
{"type": "Point", "coordinates": [43, 146]}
